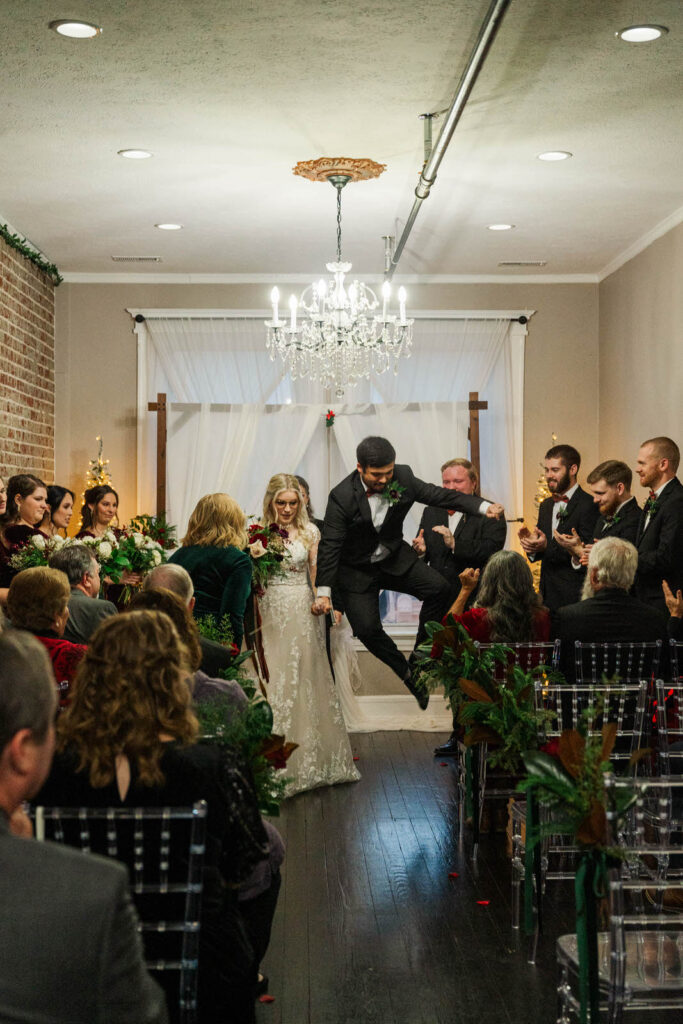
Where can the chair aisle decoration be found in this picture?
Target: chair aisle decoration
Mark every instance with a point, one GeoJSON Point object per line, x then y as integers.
{"type": "Point", "coordinates": [163, 848]}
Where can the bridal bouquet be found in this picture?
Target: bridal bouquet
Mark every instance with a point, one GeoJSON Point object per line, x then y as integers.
{"type": "Point", "coordinates": [155, 527]}
{"type": "Point", "coordinates": [107, 551]}
{"type": "Point", "coordinates": [141, 555]}
{"type": "Point", "coordinates": [266, 545]}
{"type": "Point", "coordinates": [38, 550]}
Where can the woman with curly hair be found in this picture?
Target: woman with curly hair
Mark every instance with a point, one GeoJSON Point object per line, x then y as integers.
{"type": "Point", "coordinates": [507, 609]}
{"type": "Point", "coordinates": [301, 689]}
{"type": "Point", "coordinates": [212, 551]}
{"type": "Point", "coordinates": [99, 510]}
{"type": "Point", "coordinates": [129, 738]}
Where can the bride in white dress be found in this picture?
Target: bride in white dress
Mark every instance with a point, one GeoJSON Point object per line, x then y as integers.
{"type": "Point", "coordinates": [301, 689]}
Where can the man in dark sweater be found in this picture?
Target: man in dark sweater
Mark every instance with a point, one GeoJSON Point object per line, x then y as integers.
{"type": "Point", "coordinates": [607, 612]}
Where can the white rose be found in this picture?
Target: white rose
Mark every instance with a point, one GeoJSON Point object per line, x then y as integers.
{"type": "Point", "coordinates": [110, 536]}
{"type": "Point", "coordinates": [139, 540]}
{"type": "Point", "coordinates": [58, 541]}
{"type": "Point", "coordinates": [38, 541]}
{"type": "Point", "coordinates": [156, 555]}
{"type": "Point", "coordinates": [257, 549]}
{"type": "Point", "coordinates": [105, 549]}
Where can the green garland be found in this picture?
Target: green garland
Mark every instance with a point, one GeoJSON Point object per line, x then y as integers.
{"type": "Point", "coordinates": [29, 253]}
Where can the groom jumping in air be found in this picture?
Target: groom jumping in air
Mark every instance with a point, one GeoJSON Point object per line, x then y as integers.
{"type": "Point", "coordinates": [362, 550]}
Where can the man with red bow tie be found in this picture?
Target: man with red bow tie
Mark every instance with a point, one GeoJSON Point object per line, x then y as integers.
{"type": "Point", "coordinates": [568, 508]}
{"type": "Point", "coordinates": [362, 550]}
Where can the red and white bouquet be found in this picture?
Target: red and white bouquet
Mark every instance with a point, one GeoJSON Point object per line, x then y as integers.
{"type": "Point", "coordinates": [266, 545]}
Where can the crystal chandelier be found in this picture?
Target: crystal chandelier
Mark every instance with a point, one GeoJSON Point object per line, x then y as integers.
{"type": "Point", "coordinates": [339, 333]}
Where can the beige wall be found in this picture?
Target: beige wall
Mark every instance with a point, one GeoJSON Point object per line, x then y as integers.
{"type": "Point", "coordinates": [641, 350]}
{"type": "Point", "coordinates": [96, 365]}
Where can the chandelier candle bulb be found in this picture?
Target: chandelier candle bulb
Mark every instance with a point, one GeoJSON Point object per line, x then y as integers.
{"type": "Point", "coordinates": [275, 298]}
{"type": "Point", "coordinates": [292, 309]}
{"type": "Point", "coordinates": [402, 304]}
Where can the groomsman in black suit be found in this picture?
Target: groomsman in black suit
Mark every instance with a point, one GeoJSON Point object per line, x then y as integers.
{"type": "Point", "coordinates": [568, 508]}
{"type": "Point", "coordinates": [451, 541]}
{"type": "Point", "coordinates": [610, 485]}
{"type": "Point", "coordinates": [362, 550]}
{"type": "Point", "coordinates": [660, 531]}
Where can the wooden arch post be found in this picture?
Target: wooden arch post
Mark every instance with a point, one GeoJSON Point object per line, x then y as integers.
{"type": "Point", "coordinates": [159, 407]}
{"type": "Point", "coordinates": [473, 431]}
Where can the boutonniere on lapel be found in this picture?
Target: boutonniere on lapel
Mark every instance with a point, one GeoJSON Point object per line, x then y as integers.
{"type": "Point", "coordinates": [562, 514]}
{"type": "Point", "coordinates": [393, 492]}
{"type": "Point", "coordinates": [652, 504]}
{"type": "Point", "coordinates": [611, 521]}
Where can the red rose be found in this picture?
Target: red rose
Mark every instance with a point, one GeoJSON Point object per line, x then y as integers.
{"type": "Point", "coordinates": [234, 650]}
{"type": "Point", "coordinates": [552, 747]}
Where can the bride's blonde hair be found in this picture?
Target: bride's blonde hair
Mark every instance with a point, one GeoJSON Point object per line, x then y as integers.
{"type": "Point", "coordinates": [276, 485]}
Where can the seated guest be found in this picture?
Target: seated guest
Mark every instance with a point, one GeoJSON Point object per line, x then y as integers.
{"type": "Point", "coordinates": [607, 612]}
{"type": "Point", "coordinates": [257, 895]}
{"type": "Point", "coordinates": [171, 576]}
{"type": "Point", "coordinates": [25, 510]}
{"type": "Point", "coordinates": [69, 944]}
{"type": "Point", "coordinates": [202, 686]}
{"type": "Point", "coordinates": [507, 609]}
{"type": "Point", "coordinates": [38, 601]}
{"type": "Point", "coordinates": [212, 552]}
{"type": "Point", "coordinates": [86, 610]}
{"type": "Point", "coordinates": [129, 739]}
{"type": "Point", "coordinates": [60, 502]}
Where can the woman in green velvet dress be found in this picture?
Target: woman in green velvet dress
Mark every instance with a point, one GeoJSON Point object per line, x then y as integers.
{"type": "Point", "coordinates": [212, 552]}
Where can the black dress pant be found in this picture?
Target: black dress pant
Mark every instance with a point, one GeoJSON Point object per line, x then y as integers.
{"type": "Point", "coordinates": [362, 610]}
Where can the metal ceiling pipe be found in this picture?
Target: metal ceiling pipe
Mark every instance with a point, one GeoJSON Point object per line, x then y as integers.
{"type": "Point", "coordinates": [487, 34]}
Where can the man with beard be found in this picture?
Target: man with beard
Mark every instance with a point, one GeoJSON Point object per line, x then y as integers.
{"type": "Point", "coordinates": [568, 508]}
{"type": "Point", "coordinates": [607, 612]}
{"type": "Point", "coordinates": [660, 531]}
{"type": "Point", "coordinates": [610, 485]}
{"type": "Point", "coordinates": [362, 549]}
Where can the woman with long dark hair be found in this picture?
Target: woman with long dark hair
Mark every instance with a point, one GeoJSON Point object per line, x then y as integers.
{"type": "Point", "coordinates": [507, 609]}
{"type": "Point", "coordinates": [60, 502]}
{"type": "Point", "coordinates": [100, 509]}
{"type": "Point", "coordinates": [129, 739]}
{"type": "Point", "coordinates": [20, 522]}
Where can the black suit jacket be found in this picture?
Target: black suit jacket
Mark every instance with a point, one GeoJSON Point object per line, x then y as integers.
{"type": "Point", "coordinates": [560, 584]}
{"type": "Point", "coordinates": [349, 538]}
{"type": "Point", "coordinates": [626, 528]}
{"type": "Point", "coordinates": [611, 615]}
{"type": "Point", "coordinates": [476, 539]}
{"type": "Point", "coordinates": [660, 547]}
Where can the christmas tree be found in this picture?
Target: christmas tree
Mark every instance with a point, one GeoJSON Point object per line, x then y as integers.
{"type": "Point", "coordinates": [97, 472]}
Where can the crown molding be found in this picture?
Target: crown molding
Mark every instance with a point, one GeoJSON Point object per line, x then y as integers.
{"type": "Point", "coordinates": [664, 226]}
{"type": "Point", "coordinates": [78, 277]}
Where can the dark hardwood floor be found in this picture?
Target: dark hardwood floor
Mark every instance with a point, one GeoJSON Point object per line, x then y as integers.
{"type": "Point", "coordinates": [371, 929]}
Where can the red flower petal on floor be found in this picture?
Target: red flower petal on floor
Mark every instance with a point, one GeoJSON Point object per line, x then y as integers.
{"type": "Point", "coordinates": [483, 903]}
{"type": "Point", "coordinates": [356, 759]}
{"type": "Point", "coordinates": [453, 874]}
{"type": "Point", "coordinates": [443, 764]}
{"type": "Point", "coordinates": [266, 999]}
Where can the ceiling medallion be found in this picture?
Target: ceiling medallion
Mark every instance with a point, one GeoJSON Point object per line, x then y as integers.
{"type": "Point", "coordinates": [353, 169]}
{"type": "Point", "coordinates": [334, 334]}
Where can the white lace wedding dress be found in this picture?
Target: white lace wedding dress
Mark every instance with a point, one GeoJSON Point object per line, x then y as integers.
{"type": "Point", "coordinates": [301, 690]}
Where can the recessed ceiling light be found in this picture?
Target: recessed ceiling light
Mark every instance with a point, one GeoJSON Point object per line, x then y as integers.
{"type": "Point", "coordinates": [641, 33]}
{"type": "Point", "coordinates": [554, 154]}
{"type": "Point", "coordinates": [500, 227]}
{"type": "Point", "coordinates": [134, 154]}
{"type": "Point", "coordinates": [169, 227]}
{"type": "Point", "coordinates": [75, 29]}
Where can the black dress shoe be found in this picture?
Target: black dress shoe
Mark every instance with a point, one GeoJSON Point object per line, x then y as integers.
{"type": "Point", "coordinates": [418, 690]}
{"type": "Point", "coordinates": [449, 748]}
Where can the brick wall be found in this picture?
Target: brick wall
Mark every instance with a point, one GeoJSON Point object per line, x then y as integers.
{"type": "Point", "coordinates": [27, 378]}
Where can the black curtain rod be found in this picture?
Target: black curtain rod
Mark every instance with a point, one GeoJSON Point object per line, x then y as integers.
{"type": "Point", "coordinates": [140, 319]}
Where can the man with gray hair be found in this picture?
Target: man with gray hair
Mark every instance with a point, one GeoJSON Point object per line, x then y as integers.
{"type": "Point", "coordinates": [69, 945]}
{"type": "Point", "coordinates": [173, 577]}
{"type": "Point", "coordinates": [86, 609]}
{"type": "Point", "coordinates": [607, 611]}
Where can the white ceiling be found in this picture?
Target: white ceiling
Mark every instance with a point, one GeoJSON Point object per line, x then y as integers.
{"type": "Point", "coordinates": [229, 96]}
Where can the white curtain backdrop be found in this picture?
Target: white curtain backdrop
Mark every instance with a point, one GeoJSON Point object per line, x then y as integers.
{"type": "Point", "coordinates": [235, 419]}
